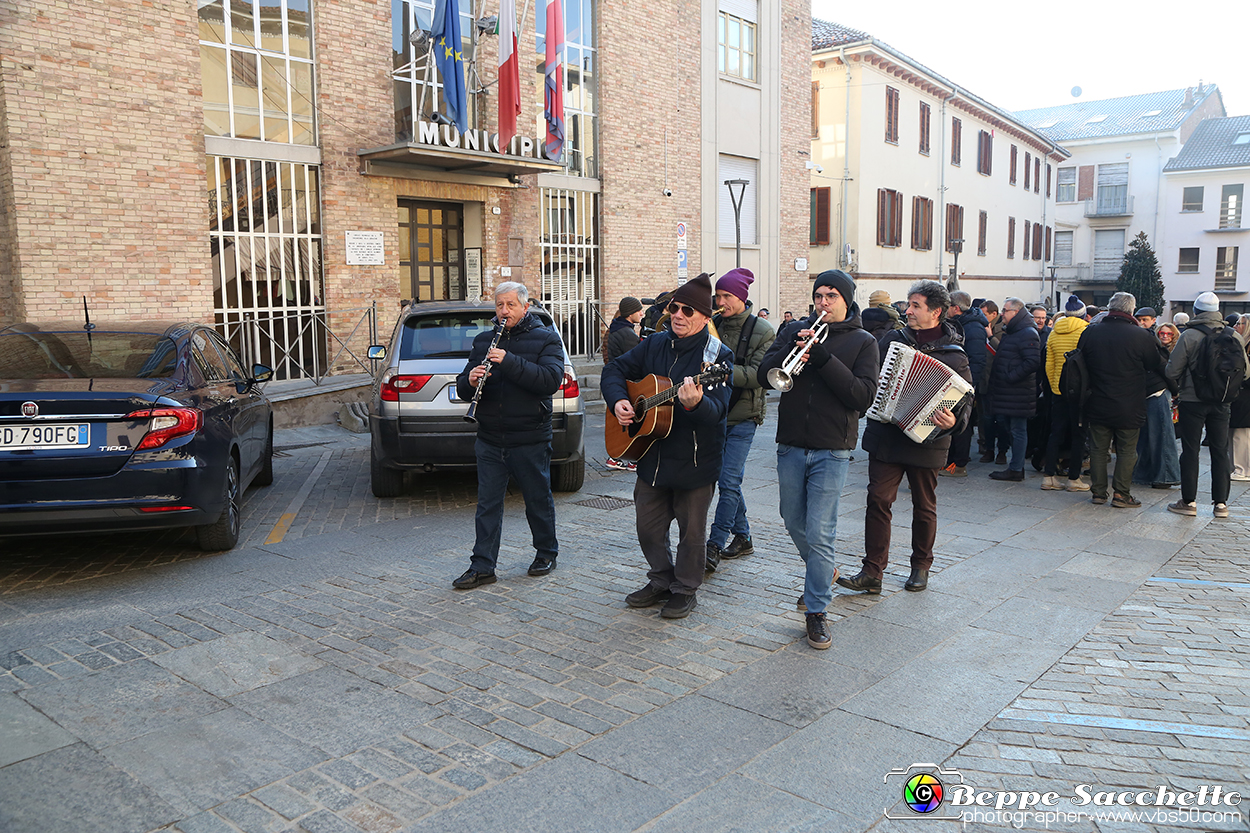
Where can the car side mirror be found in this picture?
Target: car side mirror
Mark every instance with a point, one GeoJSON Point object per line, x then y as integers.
{"type": "Point", "coordinates": [261, 373]}
{"type": "Point", "coordinates": [377, 352]}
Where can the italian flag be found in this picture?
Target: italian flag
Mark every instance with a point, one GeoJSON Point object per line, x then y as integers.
{"type": "Point", "coordinates": [509, 73]}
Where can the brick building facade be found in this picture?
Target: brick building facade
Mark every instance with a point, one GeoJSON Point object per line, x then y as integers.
{"type": "Point", "coordinates": [295, 118]}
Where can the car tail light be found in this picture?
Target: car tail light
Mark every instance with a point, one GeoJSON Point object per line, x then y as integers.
{"type": "Point", "coordinates": [165, 508]}
{"type": "Point", "coordinates": [570, 387]}
{"type": "Point", "coordinates": [165, 424]}
{"type": "Point", "coordinates": [393, 386]}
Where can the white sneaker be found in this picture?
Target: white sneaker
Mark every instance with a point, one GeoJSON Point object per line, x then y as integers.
{"type": "Point", "coordinates": [1078, 485]}
{"type": "Point", "coordinates": [1241, 478]}
{"type": "Point", "coordinates": [1050, 483]}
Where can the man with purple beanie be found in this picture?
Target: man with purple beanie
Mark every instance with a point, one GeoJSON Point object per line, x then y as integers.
{"type": "Point", "coordinates": [749, 336]}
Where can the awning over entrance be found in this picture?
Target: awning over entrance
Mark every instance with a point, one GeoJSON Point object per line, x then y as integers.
{"type": "Point", "coordinates": [410, 160]}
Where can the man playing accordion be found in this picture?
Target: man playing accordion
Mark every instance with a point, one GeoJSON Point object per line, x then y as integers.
{"type": "Point", "coordinates": [892, 454]}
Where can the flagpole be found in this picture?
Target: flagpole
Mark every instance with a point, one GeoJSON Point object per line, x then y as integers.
{"type": "Point", "coordinates": [521, 26]}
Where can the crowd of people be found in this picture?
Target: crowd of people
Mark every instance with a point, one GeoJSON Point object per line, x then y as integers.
{"type": "Point", "coordinates": [1061, 392]}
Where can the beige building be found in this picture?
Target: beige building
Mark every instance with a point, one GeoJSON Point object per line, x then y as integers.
{"type": "Point", "coordinates": [275, 165]}
{"type": "Point", "coordinates": [911, 172]}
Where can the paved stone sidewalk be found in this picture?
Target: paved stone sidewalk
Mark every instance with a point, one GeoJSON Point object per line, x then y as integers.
{"type": "Point", "coordinates": [331, 681]}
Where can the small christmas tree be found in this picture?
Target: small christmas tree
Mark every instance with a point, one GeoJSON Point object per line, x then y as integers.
{"type": "Point", "coordinates": [1139, 274]}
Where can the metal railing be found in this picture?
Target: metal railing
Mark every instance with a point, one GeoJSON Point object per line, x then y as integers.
{"type": "Point", "coordinates": [1119, 205]}
{"type": "Point", "coordinates": [302, 345]}
{"type": "Point", "coordinates": [581, 325]}
{"type": "Point", "coordinates": [1075, 272]}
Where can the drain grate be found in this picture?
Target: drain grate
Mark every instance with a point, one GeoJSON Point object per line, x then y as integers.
{"type": "Point", "coordinates": [605, 503]}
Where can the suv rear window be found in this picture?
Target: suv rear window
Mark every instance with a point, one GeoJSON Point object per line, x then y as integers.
{"type": "Point", "coordinates": [40, 355]}
{"type": "Point", "coordinates": [449, 335]}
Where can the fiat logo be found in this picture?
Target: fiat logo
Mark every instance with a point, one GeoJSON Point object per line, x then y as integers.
{"type": "Point", "coordinates": [30, 409]}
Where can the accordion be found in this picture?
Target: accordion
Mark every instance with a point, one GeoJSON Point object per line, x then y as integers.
{"type": "Point", "coordinates": [912, 387]}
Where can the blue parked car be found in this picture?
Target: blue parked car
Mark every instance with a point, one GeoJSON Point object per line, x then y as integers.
{"type": "Point", "coordinates": [128, 426]}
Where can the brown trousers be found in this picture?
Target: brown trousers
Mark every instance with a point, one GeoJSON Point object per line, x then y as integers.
{"type": "Point", "coordinates": [883, 480]}
{"type": "Point", "coordinates": [655, 510]}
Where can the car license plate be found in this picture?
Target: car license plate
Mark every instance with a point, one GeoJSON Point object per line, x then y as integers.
{"type": "Point", "coordinates": [20, 437]}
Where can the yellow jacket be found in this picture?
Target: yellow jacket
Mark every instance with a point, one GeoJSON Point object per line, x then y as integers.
{"type": "Point", "coordinates": [1063, 339]}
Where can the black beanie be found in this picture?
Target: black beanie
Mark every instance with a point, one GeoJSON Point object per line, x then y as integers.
{"type": "Point", "coordinates": [697, 292]}
{"type": "Point", "coordinates": [839, 280]}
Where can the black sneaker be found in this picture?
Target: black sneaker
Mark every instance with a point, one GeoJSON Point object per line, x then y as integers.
{"type": "Point", "coordinates": [817, 634]}
{"type": "Point", "coordinates": [1001, 459]}
{"type": "Point", "coordinates": [1008, 474]}
{"type": "Point", "coordinates": [740, 545]}
{"type": "Point", "coordinates": [679, 606]}
{"type": "Point", "coordinates": [714, 555]}
{"type": "Point", "coordinates": [542, 566]}
{"type": "Point", "coordinates": [648, 596]}
{"type": "Point", "coordinates": [472, 578]}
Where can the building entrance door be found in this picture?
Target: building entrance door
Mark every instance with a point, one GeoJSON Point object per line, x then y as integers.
{"type": "Point", "coordinates": [431, 241]}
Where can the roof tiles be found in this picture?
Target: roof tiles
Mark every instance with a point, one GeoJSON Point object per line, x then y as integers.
{"type": "Point", "coordinates": [1130, 114]}
{"type": "Point", "coordinates": [1212, 145]}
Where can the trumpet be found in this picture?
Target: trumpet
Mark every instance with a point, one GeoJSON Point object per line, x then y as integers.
{"type": "Point", "coordinates": [471, 414]}
{"type": "Point", "coordinates": [782, 378]}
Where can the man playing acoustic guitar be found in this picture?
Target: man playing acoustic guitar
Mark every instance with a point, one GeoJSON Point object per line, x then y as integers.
{"type": "Point", "coordinates": [677, 474]}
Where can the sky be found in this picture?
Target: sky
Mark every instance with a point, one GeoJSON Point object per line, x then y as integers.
{"type": "Point", "coordinates": [1019, 56]}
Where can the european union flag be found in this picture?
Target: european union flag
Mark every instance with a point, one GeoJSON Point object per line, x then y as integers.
{"type": "Point", "coordinates": [445, 33]}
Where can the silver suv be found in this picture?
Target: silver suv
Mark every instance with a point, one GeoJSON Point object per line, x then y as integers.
{"type": "Point", "coordinates": [415, 418]}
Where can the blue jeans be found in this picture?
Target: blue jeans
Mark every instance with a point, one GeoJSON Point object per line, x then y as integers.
{"type": "Point", "coordinates": [1157, 460]}
{"type": "Point", "coordinates": [810, 482]}
{"type": "Point", "coordinates": [1018, 429]}
{"type": "Point", "coordinates": [731, 509]}
{"type": "Point", "coordinates": [530, 466]}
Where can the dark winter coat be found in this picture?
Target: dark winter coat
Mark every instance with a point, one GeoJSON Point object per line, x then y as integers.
{"type": "Point", "coordinates": [887, 442]}
{"type": "Point", "coordinates": [690, 456]}
{"type": "Point", "coordinates": [750, 404]}
{"type": "Point", "coordinates": [973, 324]}
{"type": "Point", "coordinates": [1239, 410]}
{"type": "Point", "coordinates": [823, 409]}
{"type": "Point", "coordinates": [515, 408]}
{"type": "Point", "coordinates": [621, 338]}
{"type": "Point", "coordinates": [1186, 352]}
{"type": "Point", "coordinates": [876, 321]}
{"type": "Point", "coordinates": [1013, 379]}
{"type": "Point", "coordinates": [1125, 363]}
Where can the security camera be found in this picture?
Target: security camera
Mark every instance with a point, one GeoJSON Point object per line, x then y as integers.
{"type": "Point", "coordinates": [815, 166]}
{"type": "Point", "coordinates": [668, 192]}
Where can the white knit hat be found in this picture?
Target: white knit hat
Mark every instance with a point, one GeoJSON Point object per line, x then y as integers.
{"type": "Point", "coordinates": [1207, 302]}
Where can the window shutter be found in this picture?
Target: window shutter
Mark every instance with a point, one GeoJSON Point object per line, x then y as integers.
{"type": "Point", "coordinates": [928, 224]}
{"type": "Point", "coordinates": [1047, 180]}
{"type": "Point", "coordinates": [1063, 248]}
{"type": "Point", "coordinates": [737, 167]}
{"type": "Point", "coordinates": [822, 216]}
{"type": "Point", "coordinates": [957, 139]}
{"type": "Point", "coordinates": [880, 217]}
{"type": "Point", "coordinates": [981, 231]}
{"type": "Point", "coordinates": [815, 109]}
{"type": "Point", "coordinates": [748, 10]}
{"type": "Point", "coordinates": [897, 206]}
{"type": "Point", "coordinates": [1028, 163]}
{"type": "Point", "coordinates": [1037, 175]}
{"type": "Point", "coordinates": [1037, 241]}
{"type": "Point", "coordinates": [1085, 183]}
{"type": "Point", "coordinates": [1011, 237]}
{"type": "Point", "coordinates": [1014, 159]}
{"type": "Point", "coordinates": [1047, 258]}
{"type": "Point", "coordinates": [1028, 240]}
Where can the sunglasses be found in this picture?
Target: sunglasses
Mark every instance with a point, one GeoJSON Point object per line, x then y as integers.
{"type": "Point", "coordinates": [686, 309]}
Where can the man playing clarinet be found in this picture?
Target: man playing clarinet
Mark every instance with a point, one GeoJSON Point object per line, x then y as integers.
{"type": "Point", "coordinates": [522, 370]}
{"type": "Point", "coordinates": [892, 454]}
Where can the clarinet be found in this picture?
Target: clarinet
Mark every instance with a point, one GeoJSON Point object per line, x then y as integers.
{"type": "Point", "coordinates": [470, 415]}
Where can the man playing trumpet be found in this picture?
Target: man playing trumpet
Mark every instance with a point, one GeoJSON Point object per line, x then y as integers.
{"type": "Point", "coordinates": [827, 369]}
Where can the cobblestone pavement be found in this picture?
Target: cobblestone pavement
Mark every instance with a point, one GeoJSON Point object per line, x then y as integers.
{"type": "Point", "coordinates": [327, 678]}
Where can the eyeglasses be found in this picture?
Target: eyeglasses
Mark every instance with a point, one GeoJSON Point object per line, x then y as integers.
{"type": "Point", "coordinates": [822, 296]}
{"type": "Point", "coordinates": [686, 309]}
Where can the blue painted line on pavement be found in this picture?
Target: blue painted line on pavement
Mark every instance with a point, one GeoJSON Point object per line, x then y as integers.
{"type": "Point", "coordinates": [1100, 721]}
{"type": "Point", "coordinates": [1236, 585]}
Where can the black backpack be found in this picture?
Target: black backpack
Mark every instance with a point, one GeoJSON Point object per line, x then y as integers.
{"type": "Point", "coordinates": [1074, 380]}
{"type": "Point", "coordinates": [1218, 366]}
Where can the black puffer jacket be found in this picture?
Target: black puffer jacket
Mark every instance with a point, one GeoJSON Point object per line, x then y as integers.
{"type": "Point", "coordinates": [621, 338]}
{"type": "Point", "coordinates": [515, 408]}
{"type": "Point", "coordinates": [887, 442]}
{"type": "Point", "coordinates": [690, 456]}
{"type": "Point", "coordinates": [973, 324]}
{"type": "Point", "coordinates": [823, 408]}
{"type": "Point", "coordinates": [1126, 363]}
{"type": "Point", "coordinates": [1013, 378]}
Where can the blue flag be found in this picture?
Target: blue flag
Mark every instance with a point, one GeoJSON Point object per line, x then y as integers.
{"type": "Point", "coordinates": [445, 32]}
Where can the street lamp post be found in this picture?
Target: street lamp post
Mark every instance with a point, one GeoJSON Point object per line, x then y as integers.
{"type": "Point", "coordinates": [957, 246]}
{"type": "Point", "coordinates": [741, 184]}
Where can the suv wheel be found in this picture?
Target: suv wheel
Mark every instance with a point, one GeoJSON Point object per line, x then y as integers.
{"type": "Point", "coordinates": [224, 534]}
{"type": "Point", "coordinates": [385, 482]}
{"type": "Point", "coordinates": [568, 477]}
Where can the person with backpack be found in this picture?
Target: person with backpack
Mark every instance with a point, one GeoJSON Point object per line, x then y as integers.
{"type": "Point", "coordinates": [749, 336]}
{"type": "Point", "coordinates": [1124, 363]}
{"type": "Point", "coordinates": [1209, 364]}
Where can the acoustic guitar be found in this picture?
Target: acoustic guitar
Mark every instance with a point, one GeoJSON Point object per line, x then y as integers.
{"type": "Point", "coordinates": [652, 397]}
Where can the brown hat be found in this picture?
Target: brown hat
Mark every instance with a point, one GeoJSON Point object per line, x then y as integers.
{"type": "Point", "coordinates": [879, 298]}
{"type": "Point", "coordinates": [697, 292]}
